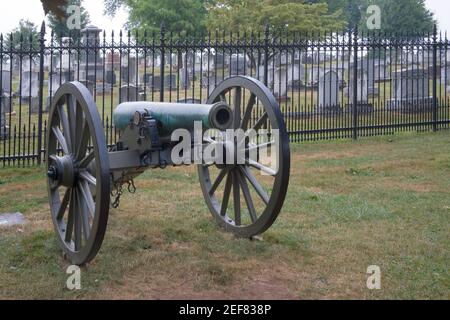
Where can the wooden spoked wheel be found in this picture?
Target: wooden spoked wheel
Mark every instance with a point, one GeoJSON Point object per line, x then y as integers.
{"type": "Point", "coordinates": [246, 198]}
{"type": "Point", "coordinates": [78, 173]}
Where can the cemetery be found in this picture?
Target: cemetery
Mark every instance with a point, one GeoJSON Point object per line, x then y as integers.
{"type": "Point", "coordinates": [350, 166]}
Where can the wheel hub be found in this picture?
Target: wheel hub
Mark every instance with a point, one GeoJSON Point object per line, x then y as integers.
{"type": "Point", "coordinates": [62, 171]}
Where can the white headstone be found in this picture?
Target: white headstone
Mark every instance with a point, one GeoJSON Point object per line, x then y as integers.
{"type": "Point", "coordinates": [30, 84]}
{"type": "Point", "coordinates": [3, 134]}
{"type": "Point", "coordinates": [361, 84]}
{"type": "Point", "coordinates": [129, 93]}
{"type": "Point", "coordinates": [280, 83]}
{"type": "Point", "coordinates": [328, 96]}
{"type": "Point", "coordinates": [314, 74]}
{"type": "Point", "coordinates": [412, 84]}
{"type": "Point", "coordinates": [411, 91]}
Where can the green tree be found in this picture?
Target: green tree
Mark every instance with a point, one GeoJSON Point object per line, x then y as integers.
{"type": "Point", "coordinates": [60, 26]}
{"type": "Point", "coordinates": [281, 15]}
{"type": "Point", "coordinates": [25, 35]}
{"type": "Point", "coordinates": [397, 17]}
{"type": "Point", "coordinates": [405, 17]}
{"type": "Point", "coordinates": [350, 10]}
{"type": "Point", "coordinates": [187, 16]}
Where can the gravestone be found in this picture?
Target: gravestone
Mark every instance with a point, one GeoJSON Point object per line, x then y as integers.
{"type": "Point", "coordinates": [296, 74]}
{"type": "Point", "coordinates": [112, 61]}
{"type": "Point", "coordinates": [193, 63]}
{"type": "Point", "coordinates": [128, 70]}
{"type": "Point", "coordinates": [208, 60]}
{"type": "Point", "coordinates": [156, 83]}
{"type": "Point", "coordinates": [66, 61]}
{"type": "Point", "coordinates": [281, 59]}
{"type": "Point", "coordinates": [5, 88]}
{"type": "Point", "coordinates": [280, 84]}
{"type": "Point", "coordinates": [371, 67]}
{"type": "Point", "coordinates": [129, 93]}
{"type": "Point", "coordinates": [3, 131]}
{"type": "Point", "coordinates": [341, 71]}
{"type": "Point", "coordinates": [270, 76]}
{"type": "Point", "coordinates": [362, 104]}
{"type": "Point", "coordinates": [147, 79]}
{"type": "Point", "coordinates": [110, 77]}
{"type": "Point", "coordinates": [103, 88]}
{"type": "Point", "coordinates": [220, 61]}
{"type": "Point", "coordinates": [55, 81]}
{"type": "Point", "coordinates": [328, 96]}
{"type": "Point", "coordinates": [445, 77]}
{"type": "Point", "coordinates": [30, 90]}
{"type": "Point", "coordinates": [314, 74]}
{"type": "Point", "coordinates": [238, 64]}
{"type": "Point", "coordinates": [185, 80]}
{"type": "Point", "coordinates": [411, 91]}
{"type": "Point", "coordinates": [91, 66]}
{"type": "Point", "coordinates": [170, 82]}
{"type": "Point", "coordinates": [6, 83]}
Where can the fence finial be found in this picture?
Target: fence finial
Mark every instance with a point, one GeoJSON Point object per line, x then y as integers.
{"type": "Point", "coordinates": [43, 28]}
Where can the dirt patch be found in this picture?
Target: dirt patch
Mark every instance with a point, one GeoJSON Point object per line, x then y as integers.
{"type": "Point", "coordinates": [329, 155]}
{"type": "Point", "coordinates": [261, 285]}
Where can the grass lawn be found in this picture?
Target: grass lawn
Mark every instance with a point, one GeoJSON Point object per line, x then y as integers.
{"type": "Point", "coordinates": [381, 201]}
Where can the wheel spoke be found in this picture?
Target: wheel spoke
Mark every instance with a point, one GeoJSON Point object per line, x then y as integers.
{"type": "Point", "coordinates": [70, 218]}
{"type": "Point", "coordinates": [261, 167]}
{"type": "Point", "coordinates": [261, 121]}
{"type": "Point", "coordinates": [71, 108]}
{"type": "Point", "coordinates": [236, 199]}
{"type": "Point", "coordinates": [87, 196]}
{"type": "Point", "coordinates": [248, 112]}
{"type": "Point", "coordinates": [66, 127]}
{"type": "Point", "coordinates": [256, 185]}
{"type": "Point", "coordinates": [89, 178]}
{"type": "Point", "coordinates": [218, 181]}
{"type": "Point", "coordinates": [223, 98]}
{"type": "Point", "coordinates": [237, 108]}
{"type": "Point", "coordinates": [260, 146]}
{"type": "Point", "coordinates": [226, 195]}
{"type": "Point", "coordinates": [62, 141]}
{"type": "Point", "coordinates": [87, 160]}
{"type": "Point", "coordinates": [82, 145]}
{"type": "Point", "coordinates": [247, 197]}
{"type": "Point", "coordinates": [84, 212]}
{"type": "Point", "coordinates": [77, 220]}
{"type": "Point", "coordinates": [64, 203]}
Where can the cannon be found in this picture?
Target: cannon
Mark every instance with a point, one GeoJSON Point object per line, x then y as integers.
{"type": "Point", "coordinates": [86, 177]}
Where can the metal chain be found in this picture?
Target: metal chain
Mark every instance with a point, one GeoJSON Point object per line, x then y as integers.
{"type": "Point", "coordinates": [117, 192]}
{"type": "Point", "coordinates": [116, 195]}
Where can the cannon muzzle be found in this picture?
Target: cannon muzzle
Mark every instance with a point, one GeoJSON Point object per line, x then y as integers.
{"type": "Point", "coordinates": [173, 116]}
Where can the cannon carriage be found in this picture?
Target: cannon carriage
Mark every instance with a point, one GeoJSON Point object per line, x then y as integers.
{"type": "Point", "coordinates": [86, 177]}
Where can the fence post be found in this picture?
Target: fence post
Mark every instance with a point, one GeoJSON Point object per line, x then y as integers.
{"type": "Point", "coordinates": [41, 91]}
{"type": "Point", "coordinates": [266, 53]}
{"type": "Point", "coordinates": [435, 75]}
{"type": "Point", "coordinates": [163, 61]}
{"type": "Point", "coordinates": [355, 83]}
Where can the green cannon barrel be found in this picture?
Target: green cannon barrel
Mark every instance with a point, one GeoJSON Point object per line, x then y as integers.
{"type": "Point", "coordinates": [173, 116]}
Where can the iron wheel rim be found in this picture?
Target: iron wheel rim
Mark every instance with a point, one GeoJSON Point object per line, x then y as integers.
{"type": "Point", "coordinates": [85, 203]}
{"type": "Point", "coordinates": [276, 199]}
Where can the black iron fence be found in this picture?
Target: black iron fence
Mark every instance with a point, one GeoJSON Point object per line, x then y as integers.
{"type": "Point", "coordinates": [329, 86]}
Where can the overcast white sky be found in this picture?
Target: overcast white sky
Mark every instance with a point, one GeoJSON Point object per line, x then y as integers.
{"type": "Point", "coordinates": [12, 11]}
